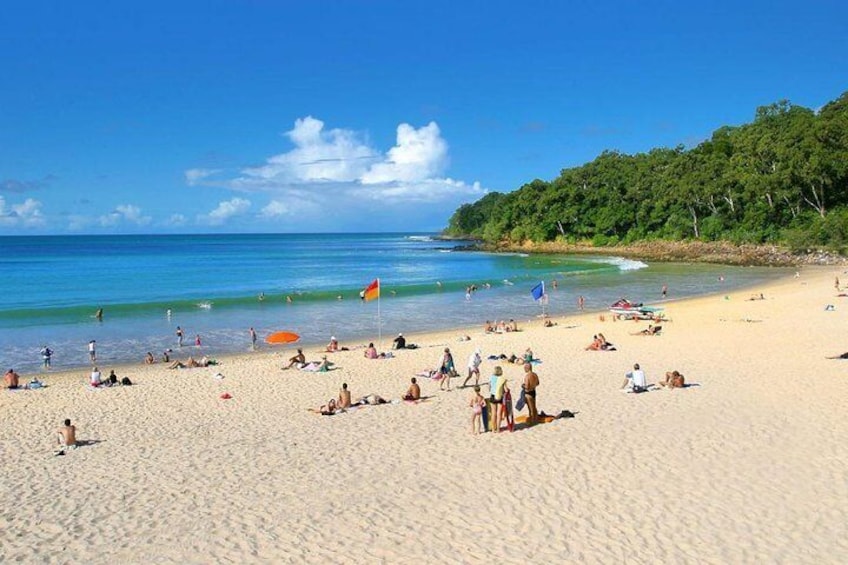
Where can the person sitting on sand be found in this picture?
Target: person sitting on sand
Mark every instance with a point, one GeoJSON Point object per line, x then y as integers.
{"type": "Point", "coordinates": [299, 359]}
{"type": "Point", "coordinates": [344, 397]}
{"type": "Point", "coordinates": [673, 379]}
{"type": "Point", "coordinates": [635, 380]}
{"type": "Point", "coordinates": [112, 380]}
{"type": "Point", "coordinates": [595, 345]}
{"type": "Point", "coordinates": [414, 391]}
{"type": "Point", "coordinates": [650, 330]}
{"type": "Point", "coordinates": [399, 342]}
{"type": "Point", "coordinates": [528, 356]}
{"type": "Point", "coordinates": [488, 327]}
{"type": "Point", "coordinates": [548, 323]}
{"type": "Point", "coordinates": [371, 352]}
{"type": "Point", "coordinates": [333, 346]}
{"type": "Point", "coordinates": [11, 379]}
{"type": "Point", "coordinates": [149, 360]}
{"type": "Point", "coordinates": [96, 378]}
{"type": "Point", "coordinates": [67, 437]}
{"type": "Point", "coordinates": [512, 326]}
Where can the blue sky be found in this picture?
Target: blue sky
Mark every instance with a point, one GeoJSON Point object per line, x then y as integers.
{"type": "Point", "coordinates": [320, 116]}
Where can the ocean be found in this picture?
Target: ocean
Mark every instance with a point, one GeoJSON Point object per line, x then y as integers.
{"type": "Point", "coordinates": [210, 285]}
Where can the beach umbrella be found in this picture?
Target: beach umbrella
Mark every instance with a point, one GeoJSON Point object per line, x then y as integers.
{"type": "Point", "coordinates": [282, 337]}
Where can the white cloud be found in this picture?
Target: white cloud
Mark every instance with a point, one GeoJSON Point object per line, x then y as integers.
{"type": "Point", "coordinates": [196, 176]}
{"type": "Point", "coordinates": [331, 166]}
{"type": "Point", "coordinates": [226, 210]}
{"type": "Point", "coordinates": [124, 213]}
{"type": "Point", "coordinates": [176, 220]}
{"type": "Point", "coordinates": [27, 214]}
{"type": "Point", "coordinates": [418, 155]}
{"type": "Point", "coordinates": [274, 209]}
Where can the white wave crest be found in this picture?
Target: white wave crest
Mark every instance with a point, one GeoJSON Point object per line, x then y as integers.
{"type": "Point", "coordinates": [419, 238]}
{"type": "Point", "coordinates": [624, 264]}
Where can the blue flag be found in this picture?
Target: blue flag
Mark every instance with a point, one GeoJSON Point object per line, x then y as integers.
{"type": "Point", "coordinates": [538, 291]}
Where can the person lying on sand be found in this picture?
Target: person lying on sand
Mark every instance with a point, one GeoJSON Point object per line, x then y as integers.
{"type": "Point", "coordinates": [191, 363]}
{"type": "Point", "coordinates": [673, 379]}
{"type": "Point", "coordinates": [650, 330]}
{"type": "Point", "coordinates": [757, 297]}
{"type": "Point", "coordinates": [414, 391]}
{"type": "Point", "coordinates": [371, 399]}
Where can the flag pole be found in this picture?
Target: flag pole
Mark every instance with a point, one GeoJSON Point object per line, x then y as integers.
{"type": "Point", "coordinates": [379, 321]}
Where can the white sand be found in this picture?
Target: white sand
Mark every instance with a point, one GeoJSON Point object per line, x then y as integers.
{"type": "Point", "coordinates": [750, 466]}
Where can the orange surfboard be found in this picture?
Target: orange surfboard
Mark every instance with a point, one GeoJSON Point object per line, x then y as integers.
{"type": "Point", "coordinates": [282, 337]}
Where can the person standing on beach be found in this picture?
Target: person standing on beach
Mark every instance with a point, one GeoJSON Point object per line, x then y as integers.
{"type": "Point", "coordinates": [197, 340]}
{"type": "Point", "coordinates": [531, 381]}
{"type": "Point", "coordinates": [46, 354]}
{"type": "Point", "coordinates": [253, 339]}
{"type": "Point", "coordinates": [580, 302]}
{"type": "Point", "coordinates": [664, 290]}
{"type": "Point", "coordinates": [179, 336]}
{"type": "Point", "coordinates": [92, 353]}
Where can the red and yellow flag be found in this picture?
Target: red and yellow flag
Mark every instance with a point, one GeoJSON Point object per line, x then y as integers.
{"type": "Point", "coordinates": [372, 291]}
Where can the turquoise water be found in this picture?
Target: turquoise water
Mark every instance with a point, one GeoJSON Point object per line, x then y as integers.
{"type": "Point", "coordinates": [53, 285]}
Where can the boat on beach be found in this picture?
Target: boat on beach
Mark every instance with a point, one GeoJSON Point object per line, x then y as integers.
{"type": "Point", "coordinates": [626, 310]}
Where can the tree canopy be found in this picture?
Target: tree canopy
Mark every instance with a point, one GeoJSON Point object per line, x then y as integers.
{"type": "Point", "coordinates": [782, 178]}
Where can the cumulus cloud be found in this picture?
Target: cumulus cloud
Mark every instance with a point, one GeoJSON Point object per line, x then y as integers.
{"type": "Point", "coordinates": [26, 214]}
{"type": "Point", "coordinates": [225, 211]}
{"type": "Point", "coordinates": [331, 166]}
{"type": "Point", "coordinates": [124, 213]}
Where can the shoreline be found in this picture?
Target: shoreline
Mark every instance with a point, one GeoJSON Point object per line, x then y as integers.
{"type": "Point", "coordinates": [239, 469]}
{"type": "Point", "coordinates": [443, 337]}
{"type": "Point", "coordinates": [718, 252]}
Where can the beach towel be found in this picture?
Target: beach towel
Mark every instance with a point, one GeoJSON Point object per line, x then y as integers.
{"type": "Point", "coordinates": [522, 400]}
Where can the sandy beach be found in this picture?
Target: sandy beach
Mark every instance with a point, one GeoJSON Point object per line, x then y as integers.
{"type": "Point", "coordinates": [747, 465]}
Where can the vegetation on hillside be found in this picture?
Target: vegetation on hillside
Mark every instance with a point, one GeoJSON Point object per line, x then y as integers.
{"type": "Point", "coordinates": [781, 179]}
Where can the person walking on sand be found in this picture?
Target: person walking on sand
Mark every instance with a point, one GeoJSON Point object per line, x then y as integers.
{"type": "Point", "coordinates": [531, 382]}
{"type": "Point", "coordinates": [476, 404]}
{"type": "Point", "coordinates": [92, 353]}
{"type": "Point", "coordinates": [446, 369]}
{"type": "Point", "coordinates": [473, 368]}
{"type": "Point", "coordinates": [180, 336]}
{"type": "Point", "coordinates": [252, 339]}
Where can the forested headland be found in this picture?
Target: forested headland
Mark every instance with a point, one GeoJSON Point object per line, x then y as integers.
{"type": "Point", "coordinates": [779, 180]}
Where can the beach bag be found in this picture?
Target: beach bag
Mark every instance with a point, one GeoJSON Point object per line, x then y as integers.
{"type": "Point", "coordinates": [126, 381]}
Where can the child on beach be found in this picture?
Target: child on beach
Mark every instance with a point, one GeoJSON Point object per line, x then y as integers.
{"type": "Point", "coordinates": [476, 404]}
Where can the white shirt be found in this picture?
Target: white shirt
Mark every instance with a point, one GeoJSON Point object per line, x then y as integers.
{"type": "Point", "coordinates": [637, 378]}
{"type": "Point", "coordinates": [474, 361]}
{"type": "Point", "coordinates": [95, 378]}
